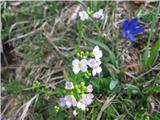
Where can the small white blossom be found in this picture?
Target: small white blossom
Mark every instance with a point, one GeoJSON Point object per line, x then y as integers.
{"type": "Point", "coordinates": [62, 102]}
{"type": "Point", "coordinates": [87, 98]}
{"type": "Point", "coordinates": [74, 113]}
{"type": "Point", "coordinates": [81, 105]}
{"type": "Point", "coordinates": [96, 70]}
{"type": "Point", "coordinates": [69, 85]}
{"type": "Point", "coordinates": [83, 15]}
{"type": "Point", "coordinates": [89, 88]}
{"type": "Point", "coordinates": [79, 65]}
{"type": "Point", "coordinates": [97, 53]}
{"type": "Point", "coordinates": [70, 101]}
{"type": "Point", "coordinates": [99, 14]}
{"type": "Point", "coordinates": [95, 65]}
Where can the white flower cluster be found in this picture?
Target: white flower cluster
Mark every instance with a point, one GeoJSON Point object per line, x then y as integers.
{"type": "Point", "coordinates": [94, 63]}
{"type": "Point", "coordinates": [85, 94]}
{"type": "Point", "coordinates": [98, 15]}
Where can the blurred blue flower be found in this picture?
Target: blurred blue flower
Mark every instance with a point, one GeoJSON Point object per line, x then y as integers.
{"type": "Point", "coordinates": [131, 28]}
{"type": "Point", "coordinates": [2, 118]}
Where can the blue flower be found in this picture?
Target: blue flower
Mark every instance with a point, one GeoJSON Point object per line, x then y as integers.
{"type": "Point", "coordinates": [131, 28]}
{"type": "Point", "coordinates": [2, 118]}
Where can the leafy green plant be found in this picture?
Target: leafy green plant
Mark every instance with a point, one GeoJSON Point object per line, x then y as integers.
{"type": "Point", "coordinates": [14, 87]}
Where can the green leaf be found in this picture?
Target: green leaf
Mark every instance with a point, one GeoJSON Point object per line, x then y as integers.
{"type": "Point", "coordinates": [134, 89]}
{"type": "Point", "coordinates": [113, 84]}
{"type": "Point", "coordinates": [38, 116]}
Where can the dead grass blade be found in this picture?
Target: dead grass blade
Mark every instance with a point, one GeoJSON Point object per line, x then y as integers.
{"type": "Point", "coordinates": [105, 105]}
{"type": "Point", "coordinates": [26, 107]}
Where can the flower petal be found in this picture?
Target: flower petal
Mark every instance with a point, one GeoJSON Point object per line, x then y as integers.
{"type": "Point", "coordinates": [94, 72]}
{"type": "Point", "coordinates": [134, 22]}
{"type": "Point", "coordinates": [75, 62]}
{"type": "Point", "coordinates": [124, 33]}
{"type": "Point", "coordinates": [84, 62]}
{"type": "Point", "coordinates": [89, 88]}
{"type": "Point", "coordinates": [99, 70]}
{"type": "Point", "coordinates": [84, 68]}
{"type": "Point", "coordinates": [76, 70]}
{"type": "Point", "coordinates": [137, 30]}
{"type": "Point", "coordinates": [125, 25]}
{"type": "Point", "coordinates": [131, 37]}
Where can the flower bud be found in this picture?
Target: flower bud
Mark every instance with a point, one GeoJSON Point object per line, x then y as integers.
{"type": "Point", "coordinates": [82, 83]}
{"type": "Point", "coordinates": [87, 109]}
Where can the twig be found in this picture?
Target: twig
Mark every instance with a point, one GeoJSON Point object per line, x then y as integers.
{"type": "Point", "coordinates": [14, 25]}
{"type": "Point", "coordinates": [150, 70]}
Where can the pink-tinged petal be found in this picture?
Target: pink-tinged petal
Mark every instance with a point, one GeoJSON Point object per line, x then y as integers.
{"type": "Point", "coordinates": [75, 62]}
{"type": "Point", "coordinates": [93, 63]}
{"type": "Point", "coordinates": [76, 70]}
{"type": "Point", "coordinates": [96, 48]}
{"type": "Point", "coordinates": [87, 99]}
{"type": "Point", "coordinates": [93, 72]}
{"type": "Point", "coordinates": [68, 104]}
{"type": "Point", "coordinates": [97, 53]}
{"type": "Point", "coordinates": [84, 68]}
{"type": "Point", "coordinates": [99, 70]}
{"type": "Point", "coordinates": [69, 85]}
{"type": "Point", "coordinates": [70, 101]}
{"type": "Point", "coordinates": [91, 96]}
{"type": "Point", "coordinates": [81, 105]}
{"type": "Point", "coordinates": [99, 14]}
{"type": "Point", "coordinates": [83, 15]}
{"type": "Point", "coordinates": [75, 113]}
{"type": "Point", "coordinates": [62, 102]}
{"type": "Point", "coordinates": [84, 62]}
{"type": "Point", "coordinates": [74, 102]}
{"type": "Point", "coordinates": [89, 88]}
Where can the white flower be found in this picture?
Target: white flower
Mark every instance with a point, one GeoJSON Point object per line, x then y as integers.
{"type": "Point", "coordinates": [97, 53]}
{"type": "Point", "coordinates": [74, 113]}
{"type": "Point", "coordinates": [87, 98]}
{"type": "Point", "coordinates": [70, 101]}
{"type": "Point", "coordinates": [89, 88]}
{"type": "Point", "coordinates": [69, 85]}
{"type": "Point", "coordinates": [81, 105]}
{"type": "Point", "coordinates": [83, 15]}
{"type": "Point", "coordinates": [96, 70]}
{"type": "Point", "coordinates": [95, 65]}
{"type": "Point", "coordinates": [79, 65]}
{"type": "Point", "coordinates": [62, 102]}
{"type": "Point", "coordinates": [99, 14]}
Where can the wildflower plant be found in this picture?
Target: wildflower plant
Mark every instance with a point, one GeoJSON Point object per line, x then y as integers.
{"type": "Point", "coordinates": [77, 94]}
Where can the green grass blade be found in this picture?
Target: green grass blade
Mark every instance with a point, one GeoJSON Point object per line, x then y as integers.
{"type": "Point", "coordinates": [153, 54]}
{"type": "Point", "coordinates": [150, 36]}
